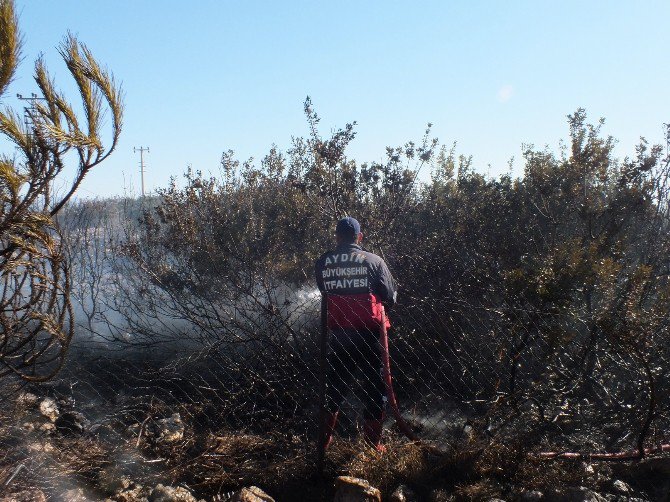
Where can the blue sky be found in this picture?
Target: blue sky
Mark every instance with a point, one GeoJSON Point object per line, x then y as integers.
{"type": "Point", "coordinates": [207, 76]}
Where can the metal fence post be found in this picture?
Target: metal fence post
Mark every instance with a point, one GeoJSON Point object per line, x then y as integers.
{"type": "Point", "coordinates": [323, 349]}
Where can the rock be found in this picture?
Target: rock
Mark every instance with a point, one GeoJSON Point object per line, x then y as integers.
{"type": "Point", "coordinates": [170, 429]}
{"type": "Point", "coordinates": [350, 489]}
{"type": "Point", "coordinates": [123, 483]}
{"type": "Point", "coordinates": [40, 447]}
{"type": "Point", "coordinates": [49, 409]}
{"type": "Point", "coordinates": [575, 494]}
{"type": "Point", "coordinates": [27, 400]}
{"type": "Point", "coordinates": [132, 493]}
{"type": "Point", "coordinates": [171, 494]}
{"type": "Point", "coordinates": [251, 494]}
{"type": "Point", "coordinates": [403, 494]}
{"type": "Point", "coordinates": [48, 428]}
{"type": "Point", "coordinates": [25, 496]}
{"type": "Point", "coordinates": [621, 488]}
{"type": "Point", "coordinates": [74, 495]}
{"type": "Point", "coordinates": [71, 422]}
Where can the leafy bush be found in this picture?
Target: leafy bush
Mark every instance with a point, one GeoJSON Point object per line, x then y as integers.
{"type": "Point", "coordinates": [547, 293]}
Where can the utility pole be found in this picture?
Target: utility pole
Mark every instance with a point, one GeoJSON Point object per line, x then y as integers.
{"type": "Point", "coordinates": [141, 150]}
{"type": "Point", "coordinates": [30, 111]}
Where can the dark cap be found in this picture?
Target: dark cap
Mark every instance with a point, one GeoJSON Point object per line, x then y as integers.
{"type": "Point", "coordinates": [348, 227]}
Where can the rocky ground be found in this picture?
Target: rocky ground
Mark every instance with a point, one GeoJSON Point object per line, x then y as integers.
{"type": "Point", "coordinates": [50, 450]}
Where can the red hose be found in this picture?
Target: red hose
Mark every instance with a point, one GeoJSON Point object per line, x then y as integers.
{"type": "Point", "coordinates": [622, 455]}
{"type": "Point", "coordinates": [388, 382]}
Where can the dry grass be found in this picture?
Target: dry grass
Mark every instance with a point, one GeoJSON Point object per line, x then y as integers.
{"type": "Point", "coordinates": [282, 464]}
{"type": "Point", "coordinates": [402, 462]}
{"type": "Point", "coordinates": [423, 469]}
{"type": "Point", "coordinates": [285, 466]}
{"type": "Point", "coordinates": [220, 463]}
{"type": "Point", "coordinates": [480, 490]}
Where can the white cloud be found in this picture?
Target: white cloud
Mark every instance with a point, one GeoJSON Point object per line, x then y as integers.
{"type": "Point", "coordinates": [505, 93]}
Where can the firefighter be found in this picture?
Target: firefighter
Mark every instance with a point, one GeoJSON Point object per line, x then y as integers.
{"type": "Point", "coordinates": [356, 285]}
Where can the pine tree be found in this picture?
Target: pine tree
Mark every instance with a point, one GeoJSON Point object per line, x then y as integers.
{"type": "Point", "coordinates": [36, 322]}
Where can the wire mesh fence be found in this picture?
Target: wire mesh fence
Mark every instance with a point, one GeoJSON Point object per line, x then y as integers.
{"type": "Point", "coordinates": [527, 324]}
{"type": "Point", "coordinates": [162, 392]}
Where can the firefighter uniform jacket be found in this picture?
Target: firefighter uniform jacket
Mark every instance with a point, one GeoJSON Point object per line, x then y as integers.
{"type": "Point", "coordinates": [357, 284]}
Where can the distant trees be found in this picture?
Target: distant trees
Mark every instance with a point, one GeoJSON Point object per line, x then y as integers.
{"type": "Point", "coordinates": [35, 314]}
